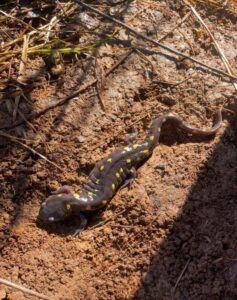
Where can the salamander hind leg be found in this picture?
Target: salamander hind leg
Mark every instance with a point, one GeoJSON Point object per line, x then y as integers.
{"type": "Point", "coordinates": [130, 179]}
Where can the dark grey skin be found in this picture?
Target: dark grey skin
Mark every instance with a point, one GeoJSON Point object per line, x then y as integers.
{"type": "Point", "coordinates": [111, 173]}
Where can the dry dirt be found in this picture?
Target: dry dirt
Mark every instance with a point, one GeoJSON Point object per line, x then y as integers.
{"type": "Point", "coordinates": [174, 233]}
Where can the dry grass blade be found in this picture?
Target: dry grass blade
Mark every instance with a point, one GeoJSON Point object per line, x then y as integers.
{"type": "Point", "coordinates": [108, 220]}
{"type": "Point", "coordinates": [15, 108]}
{"type": "Point", "coordinates": [50, 26]}
{"type": "Point", "coordinates": [21, 75]}
{"type": "Point", "coordinates": [147, 60]}
{"type": "Point", "coordinates": [23, 289]}
{"type": "Point", "coordinates": [14, 139]}
{"type": "Point", "coordinates": [100, 84]}
{"type": "Point", "coordinates": [175, 27]}
{"type": "Point", "coordinates": [218, 48]}
{"type": "Point", "coordinates": [23, 58]}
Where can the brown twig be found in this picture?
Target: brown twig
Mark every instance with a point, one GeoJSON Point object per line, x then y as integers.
{"type": "Point", "coordinates": [18, 20]}
{"type": "Point", "coordinates": [214, 70]}
{"type": "Point", "coordinates": [27, 122]}
{"type": "Point", "coordinates": [29, 148]}
{"type": "Point", "coordinates": [23, 289]}
{"type": "Point", "coordinates": [108, 220]}
{"type": "Point", "coordinates": [100, 77]}
{"type": "Point", "coordinates": [21, 75]}
{"type": "Point", "coordinates": [147, 59]}
{"type": "Point", "coordinates": [180, 276]}
{"type": "Point", "coordinates": [123, 226]}
{"type": "Point", "coordinates": [144, 37]}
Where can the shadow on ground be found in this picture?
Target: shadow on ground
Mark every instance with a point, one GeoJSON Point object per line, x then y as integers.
{"type": "Point", "coordinates": [198, 258]}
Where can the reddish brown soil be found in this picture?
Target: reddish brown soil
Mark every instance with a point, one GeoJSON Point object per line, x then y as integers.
{"type": "Point", "coordinates": [174, 234]}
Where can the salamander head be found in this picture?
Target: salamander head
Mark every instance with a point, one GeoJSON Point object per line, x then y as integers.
{"type": "Point", "coordinates": [56, 208]}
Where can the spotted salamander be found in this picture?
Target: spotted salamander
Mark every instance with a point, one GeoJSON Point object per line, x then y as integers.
{"type": "Point", "coordinates": [111, 173]}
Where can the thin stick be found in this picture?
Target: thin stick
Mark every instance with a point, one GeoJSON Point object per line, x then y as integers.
{"type": "Point", "coordinates": [175, 27]}
{"type": "Point", "coordinates": [18, 20]}
{"type": "Point", "coordinates": [144, 37]}
{"type": "Point", "coordinates": [29, 148]}
{"type": "Point", "coordinates": [147, 59]}
{"type": "Point", "coordinates": [108, 220]}
{"type": "Point", "coordinates": [65, 100]}
{"type": "Point", "coordinates": [180, 276]}
{"type": "Point", "coordinates": [100, 76]}
{"type": "Point", "coordinates": [50, 25]}
{"type": "Point", "coordinates": [123, 226]}
{"type": "Point", "coordinates": [214, 70]}
{"type": "Point", "coordinates": [23, 289]}
{"type": "Point", "coordinates": [27, 122]}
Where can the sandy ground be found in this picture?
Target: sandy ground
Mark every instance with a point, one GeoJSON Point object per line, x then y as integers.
{"type": "Point", "coordinates": [173, 235]}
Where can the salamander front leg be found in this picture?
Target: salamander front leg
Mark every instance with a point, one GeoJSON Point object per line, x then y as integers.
{"type": "Point", "coordinates": [65, 189]}
{"type": "Point", "coordinates": [131, 177]}
{"type": "Point", "coordinates": [130, 138]}
{"type": "Point", "coordinates": [82, 225]}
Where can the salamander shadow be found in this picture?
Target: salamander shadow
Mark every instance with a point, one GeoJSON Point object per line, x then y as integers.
{"type": "Point", "coordinates": [198, 260]}
{"type": "Point", "coordinates": [69, 226]}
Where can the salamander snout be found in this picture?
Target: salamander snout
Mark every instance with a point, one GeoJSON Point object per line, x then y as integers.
{"type": "Point", "coordinates": [55, 209]}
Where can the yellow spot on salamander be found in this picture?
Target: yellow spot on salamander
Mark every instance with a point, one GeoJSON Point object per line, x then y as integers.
{"type": "Point", "coordinates": [90, 193]}
{"type": "Point", "coordinates": [164, 120]}
{"type": "Point", "coordinates": [103, 202]}
{"type": "Point", "coordinates": [126, 148]}
{"type": "Point", "coordinates": [135, 146]}
{"type": "Point", "coordinates": [68, 206]}
{"type": "Point", "coordinates": [102, 168]}
{"type": "Point", "coordinates": [152, 138]}
{"type": "Point", "coordinates": [113, 186]}
{"type": "Point", "coordinates": [138, 159]}
{"type": "Point", "coordinates": [97, 181]}
{"type": "Point", "coordinates": [146, 144]}
{"type": "Point", "coordinates": [146, 151]}
{"type": "Point", "coordinates": [128, 160]}
{"type": "Point", "coordinates": [96, 190]}
{"type": "Point", "coordinates": [76, 195]}
{"type": "Point", "coordinates": [109, 159]}
{"type": "Point", "coordinates": [59, 195]}
{"type": "Point", "coordinates": [121, 170]}
{"type": "Point", "coordinates": [117, 175]}
{"type": "Point", "coordinates": [158, 129]}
